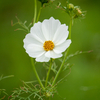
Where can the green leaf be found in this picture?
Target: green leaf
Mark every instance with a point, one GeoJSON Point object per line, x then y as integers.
{"type": "Point", "coordinates": [54, 67]}
{"type": "Point", "coordinates": [1, 78]}
{"type": "Point", "coordinates": [67, 66]}
{"type": "Point", "coordinates": [77, 53]}
{"type": "Point", "coordinates": [22, 24]}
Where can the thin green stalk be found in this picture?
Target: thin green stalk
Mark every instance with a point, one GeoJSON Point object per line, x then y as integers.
{"type": "Point", "coordinates": [39, 14]}
{"type": "Point", "coordinates": [35, 11]}
{"type": "Point", "coordinates": [48, 73]}
{"type": "Point", "coordinates": [37, 76]}
{"type": "Point", "coordinates": [70, 28]}
{"type": "Point", "coordinates": [65, 55]}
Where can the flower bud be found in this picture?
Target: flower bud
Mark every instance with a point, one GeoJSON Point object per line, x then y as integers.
{"type": "Point", "coordinates": [47, 94]}
{"type": "Point", "coordinates": [70, 6]}
{"type": "Point", "coordinates": [44, 1]}
{"type": "Point", "coordinates": [79, 12]}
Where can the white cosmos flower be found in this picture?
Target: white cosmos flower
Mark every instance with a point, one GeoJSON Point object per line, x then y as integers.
{"type": "Point", "coordinates": [47, 40]}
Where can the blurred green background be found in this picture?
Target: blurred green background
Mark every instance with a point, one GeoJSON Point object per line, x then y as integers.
{"type": "Point", "coordinates": [83, 83]}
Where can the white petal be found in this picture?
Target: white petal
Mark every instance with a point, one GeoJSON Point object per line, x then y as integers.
{"type": "Point", "coordinates": [29, 39]}
{"type": "Point", "coordinates": [34, 50]}
{"type": "Point", "coordinates": [61, 34]}
{"type": "Point", "coordinates": [49, 27]}
{"type": "Point", "coordinates": [62, 47]}
{"type": "Point", "coordinates": [42, 58]}
{"type": "Point", "coordinates": [36, 31]}
{"type": "Point", "coordinates": [52, 54]}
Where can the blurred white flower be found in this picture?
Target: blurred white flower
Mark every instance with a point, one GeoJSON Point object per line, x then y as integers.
{"type": "Point", "coordinates": [47, 40]}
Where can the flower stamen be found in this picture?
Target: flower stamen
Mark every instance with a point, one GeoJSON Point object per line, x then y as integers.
{"type": "Point", "coordinates": [48, 45]}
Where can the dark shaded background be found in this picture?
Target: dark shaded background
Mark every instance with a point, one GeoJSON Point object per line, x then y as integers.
{"type": "Point", "coordinates": [84, 81]}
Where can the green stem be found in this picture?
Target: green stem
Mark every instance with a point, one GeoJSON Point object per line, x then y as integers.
{"type": "Point", "coordinates": [70, 28]}
{"type": "Point", "coordinates": [65, 55]}
{"type": "Point", "coordinates": [35, 11]}
{"type": "Point", "coordinates": [48, 73]}
{"type": "Point", "coordinates": [37, 76]}
{"type": "Point", "coordinates": [39, 14]}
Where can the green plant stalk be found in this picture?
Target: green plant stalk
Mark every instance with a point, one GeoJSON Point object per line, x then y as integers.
{"type": "Point", "coordinates": [70, 28]}
{"type": "Point", "coordinates": [37, 76]}
{"type": "Point", "coordinates": [65, 55]}
{"type": "Point", "coordinates": [48, 73]}
{"type": "Point", "coordinates": [39, 14]}
{"type": "Point", "coordinates": [35, 11]}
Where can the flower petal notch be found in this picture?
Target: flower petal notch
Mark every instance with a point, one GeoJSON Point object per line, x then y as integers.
{"type": "Point", "coordinates": [47, 39]}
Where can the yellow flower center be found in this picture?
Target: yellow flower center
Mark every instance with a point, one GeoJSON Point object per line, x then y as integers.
{"type": "Point", "coordinates": [48, 45]}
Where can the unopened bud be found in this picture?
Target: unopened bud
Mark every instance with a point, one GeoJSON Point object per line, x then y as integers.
{"type": "Point", "coordinates": [44, 1]}
{"type": "Point", "coordinates": [70, 6]}
{"type": "Point", "coordinates": [79, 12]}
{"type": "Point", "coordinates": [47, 94]}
